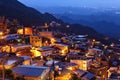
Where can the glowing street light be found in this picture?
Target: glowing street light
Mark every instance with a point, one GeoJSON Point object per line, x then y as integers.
{"type": "Point", "coordinates": [1, 33]}
{"type": "Point", "coordinates": [112, 45]}
{"type": "Point", "coordinates": [94, 40]}
{"type": "Point", "coordinates": [53, 40]}
{"type": "Point", "coordinates": [70, 68]}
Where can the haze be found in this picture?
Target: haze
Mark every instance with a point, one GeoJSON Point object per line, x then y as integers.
{"type": "Point", "coordinates": [73, 3]}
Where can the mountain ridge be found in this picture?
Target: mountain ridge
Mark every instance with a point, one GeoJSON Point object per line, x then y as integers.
{"type": "Point", "coordinates": [26, 15]}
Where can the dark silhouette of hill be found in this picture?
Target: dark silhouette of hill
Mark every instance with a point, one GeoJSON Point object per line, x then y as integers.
{"type": "Point", "coordinates": [26, 15]}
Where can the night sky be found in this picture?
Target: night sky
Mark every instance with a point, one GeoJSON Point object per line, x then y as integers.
{"type": "Point", "coordinates": [73, 3]}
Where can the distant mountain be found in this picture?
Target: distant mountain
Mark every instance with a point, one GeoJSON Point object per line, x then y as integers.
{"type": "Point", "coordinates": [104, 24]}
{"type": "Point", "coordinates": [105, 21]}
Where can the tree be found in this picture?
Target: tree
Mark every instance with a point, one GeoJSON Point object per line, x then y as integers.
{"type": "Point", "coordinates": [9, 74]}
{"type": "Point", "coordinates": [75, 77]}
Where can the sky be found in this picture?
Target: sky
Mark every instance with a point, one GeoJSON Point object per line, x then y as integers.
{"type": "Point", "coordinates": [72, 3]}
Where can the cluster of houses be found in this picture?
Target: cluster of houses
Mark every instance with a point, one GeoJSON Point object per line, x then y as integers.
{"type": "Point", "coordinates": [39, 55]}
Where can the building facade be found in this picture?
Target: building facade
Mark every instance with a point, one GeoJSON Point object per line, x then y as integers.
{"type": "Point", "coordinates": [36, 41]}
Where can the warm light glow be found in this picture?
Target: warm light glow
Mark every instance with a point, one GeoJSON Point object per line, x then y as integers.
{"type": "Point", "coordinates": [6, 48]}
{"type": "Point", "coordinates": [46, 42]}
{"type": "Point", "coordinates": [17, 54]}
{"type": "Point", "coordinates": [94, 40]}
{"type": "Point", "coordinates": [109, 73]}
{"type": "Point", "coordinates": [35, 53]}
{"type": "Point", "coordinates": [53, 40]}
{"type": "Point", "coordinates": [70, 68]}
{"type": "Point", "coordinates": [112, 45]}
{"type": "Point", "coordinates": [20, 31]}
{"type": "Point", "coordinates": [67, 76]}
{"type": "Point", "coordinates": [1, 33]}
{"type": "Point", "coordinates": [63, 51]}
{"type": "Point", "coordinates": [105, 47]}
{"type": "Point", "coordinates": [87, 54]}
{"type": "Point", "coordinates": [41, 57]}
{"type": "Point", "coordinates": [28, 31]}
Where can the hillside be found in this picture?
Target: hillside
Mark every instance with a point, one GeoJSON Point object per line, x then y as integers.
{"type": "Point", "coordinates": [26, 15]}
{"type": "Point", "coordinates": [29, 17]}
